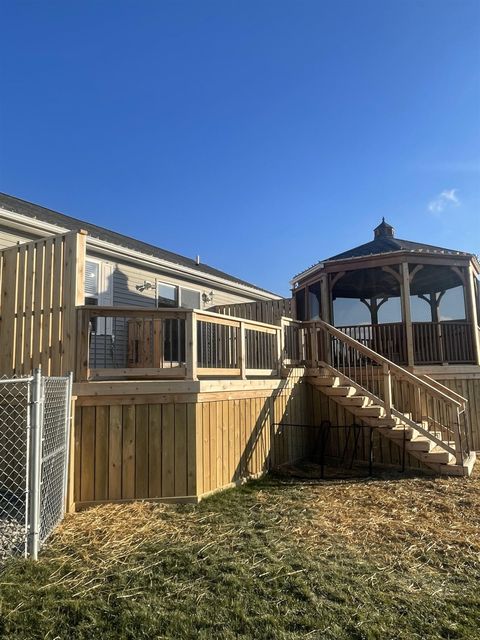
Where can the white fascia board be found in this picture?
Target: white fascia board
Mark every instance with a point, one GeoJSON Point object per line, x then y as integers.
{"type": "Point", "coordinates": [20, 222]}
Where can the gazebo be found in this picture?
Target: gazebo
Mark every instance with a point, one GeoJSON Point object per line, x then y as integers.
{"type": "Point", "coordinates": [414, 303]}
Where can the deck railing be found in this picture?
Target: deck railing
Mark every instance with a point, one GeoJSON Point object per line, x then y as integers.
{"type": "Point", "coordinates": [176, 343]}
{"type": "Point", "coordinates": [433, 342]}
{"type": "Point", "coordinates": [421, 403]}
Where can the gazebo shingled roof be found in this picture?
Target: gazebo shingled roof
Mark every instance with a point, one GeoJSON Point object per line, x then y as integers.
{"type": "Point", "coordinates": [385, 242]}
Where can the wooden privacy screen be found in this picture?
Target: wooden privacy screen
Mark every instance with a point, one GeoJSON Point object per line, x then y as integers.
{"type": "Point", "coordinates": [269, 311]}
{"type": "Point", "coordinates": [41, 284]}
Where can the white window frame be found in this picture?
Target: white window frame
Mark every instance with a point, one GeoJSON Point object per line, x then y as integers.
{"type": "Point", "coordinates": [178, 288]}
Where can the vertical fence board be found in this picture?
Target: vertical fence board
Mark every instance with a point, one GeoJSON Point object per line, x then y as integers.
{"type": "Point", "coordinates": [115, 453]}
{"type": "Point", "coordinates": [87, 486]}
{"type": "Point", "coordinates": [180, 484]}
{"type": "Point", "coordinates": [141, 451]}
{"type": "Point", "coordinates": [155, 451]}
{"type": "Point", "coordinates": [128, 452]}
{"type": "Point", "coordinates": [168, 450]}
{"type": "Point", "coordinates": [101, 453]}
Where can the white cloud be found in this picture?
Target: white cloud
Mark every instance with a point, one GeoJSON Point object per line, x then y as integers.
{"type": "Point", "coordinates": [445, 200]}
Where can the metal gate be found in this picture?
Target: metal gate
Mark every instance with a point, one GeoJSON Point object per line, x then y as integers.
{"type": "Point", "coordinates": [35, 415]}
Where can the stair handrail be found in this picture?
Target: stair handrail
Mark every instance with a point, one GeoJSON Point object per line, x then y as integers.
{"type": "Point", "coordinates": [446, 390]}
{"type": "Point", "coordinates": [373, 355]}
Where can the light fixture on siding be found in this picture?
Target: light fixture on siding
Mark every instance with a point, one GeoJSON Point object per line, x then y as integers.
{"type": "Point", "coordinates": [207, 297]}
{"type": "Point", "coordinates": [145, 286]}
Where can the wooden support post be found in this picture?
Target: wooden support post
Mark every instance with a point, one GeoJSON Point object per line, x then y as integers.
{"type": "Point", "coordinates": [73, 295]}
{"type": "Point", "coordinates": [242, 356]}
{"type": "Point", "coordinates": [326, 315]}
{"type": "Point", "coordinates": [406, 313]}
{"type": "Point", "coordinates": [472, 313]}
{"type": "Point", "coordinates": [280, 339]}
{"type": "Point", "coordinates": [387, 390]}
{"type": "Point", "coordinates": [191, 346]}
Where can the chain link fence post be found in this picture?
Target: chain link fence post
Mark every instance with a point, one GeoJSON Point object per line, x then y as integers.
{"type": "Point", "coordinates": [35, 464]}
{"type": "Point", "coordinates": [68, 432]}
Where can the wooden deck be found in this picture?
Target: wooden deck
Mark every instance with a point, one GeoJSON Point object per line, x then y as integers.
{"type": "Point", "coordinates": [177, 403]}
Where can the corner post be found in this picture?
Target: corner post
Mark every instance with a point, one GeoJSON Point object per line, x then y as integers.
{"type": "Point", "coordinates": [406, 313]}
{"type": "Point", "coordinates": [191, 345]}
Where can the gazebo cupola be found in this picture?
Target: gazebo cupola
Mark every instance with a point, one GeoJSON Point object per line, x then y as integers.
{"type": "Point", "coordinates": [415, 303]}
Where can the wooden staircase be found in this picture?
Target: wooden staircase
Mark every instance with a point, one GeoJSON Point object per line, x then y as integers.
{"type": "Point", "coordinates": [399, 430]}
{"type": "Point", "coordinates": [418, 413]}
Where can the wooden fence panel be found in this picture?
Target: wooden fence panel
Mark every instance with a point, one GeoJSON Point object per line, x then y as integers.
{"type": "Point", "coordinates": [268, 311]}
{"type": "Point", "coordinates": [41, 284]}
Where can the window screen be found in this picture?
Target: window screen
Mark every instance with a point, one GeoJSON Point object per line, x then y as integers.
{"type": "Point", "coordinates": [167, 295]}
{"type": "Point", "coordinates": [189, 298]}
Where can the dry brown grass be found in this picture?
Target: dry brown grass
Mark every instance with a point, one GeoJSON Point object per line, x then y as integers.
{"type": "Point", "coordinates": [400, 520]}
{"type": "Point", "coordinates": [277, 558]}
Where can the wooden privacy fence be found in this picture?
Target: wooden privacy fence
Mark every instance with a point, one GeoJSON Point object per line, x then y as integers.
{"type": "Point", "coordinates": [175, 343]}
{"type": "Point", "coordinates": [41, 283]}
{"type": "Point", "coordinates": [268, 311]}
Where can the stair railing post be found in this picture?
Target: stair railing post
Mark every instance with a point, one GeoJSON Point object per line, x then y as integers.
{"type": "Point", "coordinates": [387, 390]}
{"type": "Point", "coordinates": [455, 411]}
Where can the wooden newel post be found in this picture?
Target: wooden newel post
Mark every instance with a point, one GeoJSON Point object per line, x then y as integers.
{"type": "Point", "coordinates": [191, 345]}
{"type": "Point", "coordinates": [456, 434]}
{"type": "Point", "coordinates": [387, 390]}
{"type": "Point", "coordinates": [242, 344]}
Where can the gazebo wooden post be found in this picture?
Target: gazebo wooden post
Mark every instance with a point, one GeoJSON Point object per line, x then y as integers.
{"type": "Point", "coordinates": [406, 313]}
{"type": "Point", "coordinates": [472, 312]}
{"type": "Point", "coordinates": [326, 312]}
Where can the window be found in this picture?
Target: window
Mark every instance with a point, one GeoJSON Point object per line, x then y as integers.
{"type": "Point", "coordinates": [99, 291]}
{"type": "Point", "coordinates": [92, 270]}
{"type": "Point", "coordinates": [169, 295]}
{"type": "Point", "coordinates": [189, 298]}
{"type": "Point", "coordinates": [314, 301]}
{"type": "Point", "coordinates": [300, 304]}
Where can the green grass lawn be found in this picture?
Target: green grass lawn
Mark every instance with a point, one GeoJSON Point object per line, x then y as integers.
{"type": "Point", "coordinates": [277, 558]}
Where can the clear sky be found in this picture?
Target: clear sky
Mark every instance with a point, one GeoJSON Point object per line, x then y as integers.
{"type": "Point", "coordinates": [263, 135]}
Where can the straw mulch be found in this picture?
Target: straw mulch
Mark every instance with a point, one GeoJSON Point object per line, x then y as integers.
{"type": "Point", "coordinates": [403, 523]}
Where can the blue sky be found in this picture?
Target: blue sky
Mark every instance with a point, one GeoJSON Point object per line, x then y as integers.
{"type": "Point", "coordinates": [262, 135]}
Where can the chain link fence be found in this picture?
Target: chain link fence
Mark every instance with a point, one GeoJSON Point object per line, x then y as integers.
{"type": "Point", "coordinates": [34, 444]}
